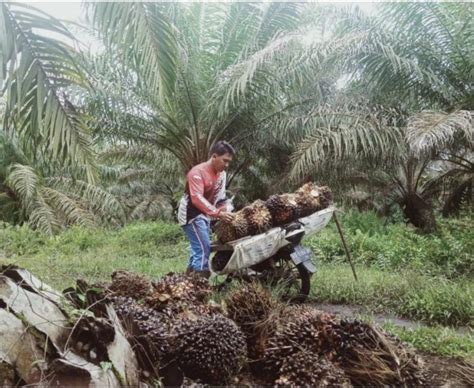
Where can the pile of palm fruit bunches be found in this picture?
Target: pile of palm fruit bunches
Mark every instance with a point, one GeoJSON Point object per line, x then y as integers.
{"type": "Point", "coordinates": [182, 337]}
{"type": "Point", "coordinates": [277, 210]}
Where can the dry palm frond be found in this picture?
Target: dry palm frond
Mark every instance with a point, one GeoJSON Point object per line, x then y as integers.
{"type": "Point", "coordinates": [369, 357]}
{"type": "Point", "coordinates": [464, 372]}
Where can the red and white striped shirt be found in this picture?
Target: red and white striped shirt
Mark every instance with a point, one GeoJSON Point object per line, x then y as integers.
{"type": "Point", "coordinates": [205, 188]}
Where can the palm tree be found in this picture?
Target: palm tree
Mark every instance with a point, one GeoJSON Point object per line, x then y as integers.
{"type": "Point", "coordinates": [148, 183]}
{"type": "Point", "coordinates": [36, 71]}
{"type": "Point", "coordinates": [48, 168]}
{"type": "Point", "coordinates": [415, 107]}
{"type": "Point", "coordinates": [417, 51]}
{"type": "Point", "coordinates": [402, 164]}
{"type": "Point", "coordinates": [235, 65]}
{"type": "Point", "coordinates": [49, 197]}
{"type": "Point", "coordinates": [163, 92]}
{"type": "Point", "coordinates": [451, 136]}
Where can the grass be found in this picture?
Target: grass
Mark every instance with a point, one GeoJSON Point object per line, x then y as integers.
{"type": "Point", "coordinates": [156, 248]}
{"type": "Point", "coordinates": [436, 340]}
{"type": "Point", "coordinates": [151, 248]}
{"type": "Point", "coordinates": [405, 293]}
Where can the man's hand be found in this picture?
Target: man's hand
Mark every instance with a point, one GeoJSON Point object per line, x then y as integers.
{"type": "Point", "coordinates": [225, 216]}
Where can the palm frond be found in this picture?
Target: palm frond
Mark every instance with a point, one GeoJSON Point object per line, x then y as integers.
{"type": "Point", "coordinates": [430, 130]}
{"type": "Point", "coordinates": [37, 72]}
{"type": "Point", "coordinates": [25, 183]}
{"type": "Point", "coordinates": [144, 36]}
{"type": "Point", "coordinates": [129, 154]}
{"type": "Point", "coordinates": [329, 146]}
{"type": "Point", "coordinates": [99, 199]}
{"type": "Point", "coordinates": [43, 218]}
{"type": "Point", "coordinates": [70, 210]}
{"type": "Point", "coordinates": [136, 174]}
{"type": "Point", "coordinates": [151, 208]}
{"type": "Point", "coordinates": [414, 49]}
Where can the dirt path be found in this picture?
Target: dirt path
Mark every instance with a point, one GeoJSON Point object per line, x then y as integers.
{"type": "Point", "coordinates": [345, 310]}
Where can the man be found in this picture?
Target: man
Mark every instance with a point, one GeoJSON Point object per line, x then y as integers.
{"type": "Point", "coordinates": [205, 198]}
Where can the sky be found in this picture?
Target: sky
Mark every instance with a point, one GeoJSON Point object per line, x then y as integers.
{"type": "Point", "coordinates": [73, 11]}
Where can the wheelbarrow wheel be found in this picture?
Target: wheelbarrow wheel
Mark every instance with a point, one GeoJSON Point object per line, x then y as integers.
{"type": "Point", "coordinates": [291, 281]}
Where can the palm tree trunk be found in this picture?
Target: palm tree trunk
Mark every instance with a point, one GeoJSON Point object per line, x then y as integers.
{"type": "Point", "coordinates": [419, 212]}
{"type": "Point", "coordinates": [463, 192]}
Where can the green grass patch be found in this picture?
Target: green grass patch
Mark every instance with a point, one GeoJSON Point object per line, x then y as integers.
{"type": "Point", "coordinates": [93, 254]}
{"type": "Point", "coordinates": [436, 340]}
{"type": "Point", "coordinates": [404, 293]}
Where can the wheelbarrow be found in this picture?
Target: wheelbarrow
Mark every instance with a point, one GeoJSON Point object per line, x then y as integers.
{"type": "Point", "coordinates": [275, 257]}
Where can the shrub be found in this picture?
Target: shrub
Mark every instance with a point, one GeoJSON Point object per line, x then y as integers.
{"type": "Point", "coordinates": [447, 252]}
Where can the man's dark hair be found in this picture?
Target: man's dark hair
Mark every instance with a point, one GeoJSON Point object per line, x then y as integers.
{"type": "Point", "coordinates": [222, 147]}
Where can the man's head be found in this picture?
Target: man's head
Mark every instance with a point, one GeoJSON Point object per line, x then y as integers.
{"type": "Point", "coordinates": [221, 155]}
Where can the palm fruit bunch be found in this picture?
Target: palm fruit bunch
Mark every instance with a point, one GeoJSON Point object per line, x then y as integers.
{"type": "Point", "coordinates": [309, 369]}
{"type": "Point", "coordinates": [326, 196]}
{"type": "Point", "coordinates": [282, 208]}
{"type": "Point", "coordinates": [147, 330]}
{"type": "Point", "coordinates": [277, 210]}
{"type": "Point", "coordinates": [125, 283]}
{"type": "Point", "coordinates": [296, 330]}
{"type": "Point", "coordinates": [369, 357]}
{"type": "Point", "coordinates": [251, 220]}
{"type": "Point", "coordinates": [258, 217]}
{"type": "Point", "coordinates": [311, 198]}
{"type": "Point", "coordinates": [209, 349]}
{"type": "Point", "coordinates": [230, 231]}
{"type": "Point", "coordinates": [175, 293]}
{"type": "Point", "coordinates": [251, 307]}
{"type": "Point", "coordinates": [308, 199]}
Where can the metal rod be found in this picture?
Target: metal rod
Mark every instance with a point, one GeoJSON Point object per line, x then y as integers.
{"type": "Point", "coordinates": [348, 254]}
